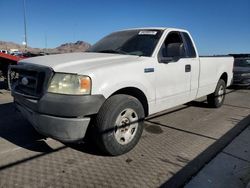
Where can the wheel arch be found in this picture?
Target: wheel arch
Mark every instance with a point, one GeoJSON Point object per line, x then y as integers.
{"type": "Point", "coordinates": [224, 77]}
{"type": "Point", "coordinates": [137, 93]}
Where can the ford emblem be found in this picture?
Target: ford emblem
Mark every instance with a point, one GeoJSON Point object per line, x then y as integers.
{"type": "Point", "coordinates": [25, 81]}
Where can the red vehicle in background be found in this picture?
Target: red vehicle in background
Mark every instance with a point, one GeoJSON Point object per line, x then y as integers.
{"type": "Point", "coordinates": [5, 61]}
{"type": "Point", "coordinates": [8, 59]}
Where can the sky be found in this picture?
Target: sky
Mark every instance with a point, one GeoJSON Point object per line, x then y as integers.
{"type": "Point", "coordinates": [217, 26]}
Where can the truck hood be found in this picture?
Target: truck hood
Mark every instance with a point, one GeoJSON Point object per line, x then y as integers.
{"type": "Point", "coordinates": [76, 62]}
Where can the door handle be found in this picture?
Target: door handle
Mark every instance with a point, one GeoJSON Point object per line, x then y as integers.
{"type": "Point", "coordinates": [187, 68]}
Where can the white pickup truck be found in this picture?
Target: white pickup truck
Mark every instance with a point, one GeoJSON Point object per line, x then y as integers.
{"type": "Point", "coordinates": [111, 88]}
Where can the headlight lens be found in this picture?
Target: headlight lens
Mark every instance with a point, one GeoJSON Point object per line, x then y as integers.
{"type": "Point", "coordinates": [70, 84]}
{"type": "Point", "coordinates": [245, 74]}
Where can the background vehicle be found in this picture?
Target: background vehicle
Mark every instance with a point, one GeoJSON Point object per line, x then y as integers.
{"type": "Point", "coordinates": [4, 51]}
{"type": "Point", "coordinates": [5, 61]}
{"type": "Point", "coordinates": [123, 78]}
{"type": "Point", "coordinates": [241, 70]}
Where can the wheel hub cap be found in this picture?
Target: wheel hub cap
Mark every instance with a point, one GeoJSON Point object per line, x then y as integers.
{"type": "Point", "coordinates": [126, 126]}
{"type": "Point", "coordinates": [221, 94]}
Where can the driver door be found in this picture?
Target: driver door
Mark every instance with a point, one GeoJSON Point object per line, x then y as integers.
{"type": "Point", "coordinates": [173, 73]}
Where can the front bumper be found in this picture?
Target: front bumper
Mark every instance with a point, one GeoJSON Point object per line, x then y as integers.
{"type": "Point", "coordinates": [62, 117]}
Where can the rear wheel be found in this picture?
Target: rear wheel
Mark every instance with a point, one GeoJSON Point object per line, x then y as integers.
{"type": "Point", "coordinates": [119, 124]}
{"type": "Point", "coordinates": [217, 98]}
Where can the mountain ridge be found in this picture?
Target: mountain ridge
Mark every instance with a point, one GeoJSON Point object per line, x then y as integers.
{"type": "Point", "coordinates": [78, 46]}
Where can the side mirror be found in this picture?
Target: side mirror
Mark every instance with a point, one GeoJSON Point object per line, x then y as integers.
{"type": "Point", "coordinates": [174, 51]}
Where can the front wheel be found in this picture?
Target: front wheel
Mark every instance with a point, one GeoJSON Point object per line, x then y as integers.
{"type": "Point", "coordinates": [119, 124]}
{"type": "Point", "coordinates": [217, 98]}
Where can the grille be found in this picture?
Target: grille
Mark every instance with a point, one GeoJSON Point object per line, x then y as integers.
{"type": "Point", "coordinates": [28, 80]}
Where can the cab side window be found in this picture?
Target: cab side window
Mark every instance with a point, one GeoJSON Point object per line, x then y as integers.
{"type": "Point", "coordinates": [173, 46]}
{"type": "Point", "coordinates": [189, 46]}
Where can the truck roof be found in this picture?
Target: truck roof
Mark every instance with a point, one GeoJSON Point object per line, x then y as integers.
{"type": "Point", "coordinates": [154, 28]}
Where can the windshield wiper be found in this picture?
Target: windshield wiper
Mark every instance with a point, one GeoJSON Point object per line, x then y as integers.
{"type": "Point", "coordinates": [112, 51]}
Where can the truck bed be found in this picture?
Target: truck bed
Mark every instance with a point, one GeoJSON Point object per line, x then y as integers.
{"type": "Point", "coordinates": [211, 69]}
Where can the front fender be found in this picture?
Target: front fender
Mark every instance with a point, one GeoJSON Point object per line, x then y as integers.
{"type": "Point", "coordinates": [108, 89]}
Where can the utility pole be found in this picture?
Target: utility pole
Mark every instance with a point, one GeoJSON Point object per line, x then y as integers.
{"type": "Point", "coordinates": [25, 25]}
{"type": "Point", "coordinates": [45, 37]}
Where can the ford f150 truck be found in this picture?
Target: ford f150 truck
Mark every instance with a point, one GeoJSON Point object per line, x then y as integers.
{"type": "Point", "coordinates": [111, 88]}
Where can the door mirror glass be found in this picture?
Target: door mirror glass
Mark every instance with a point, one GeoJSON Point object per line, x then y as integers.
{"type": "Point", "coordinates": [175, 50]}
{"type": "Point", "coordinates": [172, 49]}
{"type": "Point", "coordinates": [172, 53]}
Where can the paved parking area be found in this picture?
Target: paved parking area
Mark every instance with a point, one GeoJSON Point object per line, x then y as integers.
{"type": "Point", "coordinates": [230, 168]}
{"type": "Point", "coordinates": [174, 144]}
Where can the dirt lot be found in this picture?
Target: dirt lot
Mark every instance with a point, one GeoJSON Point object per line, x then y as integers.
{"type": "Point", "coordinates": [175, 144]}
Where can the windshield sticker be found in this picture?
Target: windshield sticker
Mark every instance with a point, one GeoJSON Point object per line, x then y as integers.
{"type": "Point", "coordinates": [147, 33]}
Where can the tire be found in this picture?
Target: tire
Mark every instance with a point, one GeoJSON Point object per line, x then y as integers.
{"type": "Point", "coordinates": [116, 134]}
{"type": "Point", "coordinates": [217, 98]}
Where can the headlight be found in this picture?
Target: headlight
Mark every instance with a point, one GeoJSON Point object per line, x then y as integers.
{"type": "Point", "coordinates": [245, 74]}
{"type": "Point", "coordinates": [70, 84]}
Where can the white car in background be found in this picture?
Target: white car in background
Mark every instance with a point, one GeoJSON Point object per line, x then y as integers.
{"type": "Point", "coordinates": [4, 51]}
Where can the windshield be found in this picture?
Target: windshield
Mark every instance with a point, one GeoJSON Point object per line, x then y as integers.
{"type": "Point", "coordinates": [130, 42]}
{"type": "Point", "coordinates": [242, 62]}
